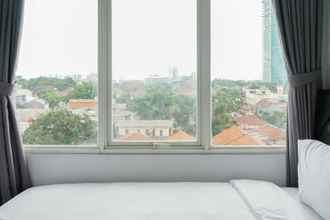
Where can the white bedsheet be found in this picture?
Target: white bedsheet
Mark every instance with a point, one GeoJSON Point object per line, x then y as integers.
{"type": "Point", "coordinates": [128, 201]}
{"type": "Point", "coordinates": [237, 200]}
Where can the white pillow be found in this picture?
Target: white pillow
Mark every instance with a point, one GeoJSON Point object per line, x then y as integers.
{"type": "Point", "coordinates": [314, 175]}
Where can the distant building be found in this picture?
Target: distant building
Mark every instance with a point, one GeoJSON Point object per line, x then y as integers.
{"type": "Point", "coordinates": [274, 69]}
{"type": "Point", "coordinates": [120, 112]}
{"type": "Point", "coordinates": [155, 78]}
{"type": "Point", "coordinates": [24, 99]}
{"type": "Point", "coordinates": [271, 105]}
{"type": "Point", "coordinates": [82, 104]}
{"type": "Point", "coordinates": [148, 128]}
{"type": "Point", "coordinates": [253, 96]}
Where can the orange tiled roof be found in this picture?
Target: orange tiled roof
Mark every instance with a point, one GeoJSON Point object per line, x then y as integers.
{"type": "Point", "coordinates": [235, 136]}
{"type": "Point", "coordinates": [180, 135]}
{"type": "Point", "coordinates": [82, 104]}
{"type": "Point", "coordinates": [135, 136]}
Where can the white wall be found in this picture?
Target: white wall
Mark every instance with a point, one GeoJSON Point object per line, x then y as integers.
{"type": "Point", "coordinates": [68, 168]}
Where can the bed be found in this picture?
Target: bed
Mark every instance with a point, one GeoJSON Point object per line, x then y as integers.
{"type": "Point", "coordinates": [236, 200]}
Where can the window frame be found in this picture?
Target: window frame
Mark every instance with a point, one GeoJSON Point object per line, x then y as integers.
{"type": "Point", "coordinates": [203, 143]}
{"type": "Point", "coordinates": [105, 91]}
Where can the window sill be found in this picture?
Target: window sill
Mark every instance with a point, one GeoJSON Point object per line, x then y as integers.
{"type": "Point", "coordinates": [200, 150]}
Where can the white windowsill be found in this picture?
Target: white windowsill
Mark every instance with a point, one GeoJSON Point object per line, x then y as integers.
{"type": "Point", "coordinates": [136, 150]}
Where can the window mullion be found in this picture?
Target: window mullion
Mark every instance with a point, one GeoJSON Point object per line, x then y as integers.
{"type": "Point", "coordinates": [204, 63]}
{"type": "Point", "coordinates": [103, 73]}
{"type": "Point", "coordinates": [109, 73]}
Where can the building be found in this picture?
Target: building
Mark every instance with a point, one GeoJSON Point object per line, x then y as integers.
{"type": "Point", "coordinates": [274, 69]}
{"type": "Point", "coordinates": [24, 99]}
{"type": "Point", "coordinates": [271, 105]}
{"type": "Point", "coordinates": [82, 104]}
{"type": "Point", "coordinates": [158, 129]}
{"type": "Point", "coordinates": [253, 96]}
{"type": "Point", "coordinates": [120, 112]}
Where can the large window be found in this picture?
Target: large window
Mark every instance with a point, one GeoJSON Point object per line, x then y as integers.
{"type": "Point", "coordinates": [249, 84]}
{"type": "Point", "coordinates": [151, 74]}
{"type": "Point", "coordinates": [56, 93]}
{"type": "Point", "coordinates": [154, 70]}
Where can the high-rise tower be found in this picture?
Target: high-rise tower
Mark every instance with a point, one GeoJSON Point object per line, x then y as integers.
{"type": "Point", "coordinates": [274, 69]}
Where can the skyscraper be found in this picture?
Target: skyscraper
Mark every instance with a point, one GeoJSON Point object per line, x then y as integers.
{"type": "Point", "coordinates": [274, 69]}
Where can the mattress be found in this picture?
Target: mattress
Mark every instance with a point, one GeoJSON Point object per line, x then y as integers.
{"type": "Point", "coordinates": [128, 201]}
{"type": "Point", "coordinates": [236, 200]}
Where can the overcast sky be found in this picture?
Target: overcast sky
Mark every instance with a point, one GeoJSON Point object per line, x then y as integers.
{"type": "Point", "coordinates": [149, 37]}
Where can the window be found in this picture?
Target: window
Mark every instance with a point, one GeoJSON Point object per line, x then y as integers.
{"type": "Point", "coordinates": [56, 93]}
{"type": "Point", "coordinates": [151, 74]}
{"type": "Point", "coordinates": [154, 70]}
{"type": "Point", "coordinates": [249, 85]}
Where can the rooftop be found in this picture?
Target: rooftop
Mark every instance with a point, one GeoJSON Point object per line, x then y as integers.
{"type": "Point", "coordinates": [82, 104]}
{"type": "Point", "coordinates": [235, 136]}
{"type": "Point", "coordinates": [181, 135]}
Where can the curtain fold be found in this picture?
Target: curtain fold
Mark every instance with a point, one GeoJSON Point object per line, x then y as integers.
{"type": "Point", "coordinates": [14, 176]}
{"type": "Point", "coordinates": [300, 25]}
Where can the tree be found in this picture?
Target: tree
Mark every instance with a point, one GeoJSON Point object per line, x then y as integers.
{"type": "Point", "coordinates": [44, 83]}
{"type": "Point", "coordinates": [84, 90]}
{"type": "Point", "coordinates": [184, 113]}
{"type": "Point", "coordinates": [61, 127]}
{"type": "Point", "coordinates": [161, 103]}
{"type": "Point", "coordinates": [276, 118]}
{"type": "Point", "coordinates": [156, 104]}
{"type": "Point", "coordinates": [225, 102]}
{"type": "Point", "coordinates": [52, 98]}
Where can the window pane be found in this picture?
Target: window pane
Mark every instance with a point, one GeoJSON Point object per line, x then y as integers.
{"type": "Point", "coordinates": [249, 84]}
{"type": "Point", "coordinates": [154, 70]}
{"type": "Point", "coordinates": [56, 96]}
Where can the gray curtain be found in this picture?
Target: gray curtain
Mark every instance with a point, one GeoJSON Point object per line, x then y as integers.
{"type": "Point", "coordinates": [14, 176]}
{"type": "Point", "coordinates": [300, 24]}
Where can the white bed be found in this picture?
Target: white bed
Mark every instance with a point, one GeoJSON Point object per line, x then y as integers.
{"type": "Point", "coordinates": [158, 201]}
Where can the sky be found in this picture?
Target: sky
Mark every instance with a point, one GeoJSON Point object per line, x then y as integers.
{"type": "Point", "coordinates": [148, 37]}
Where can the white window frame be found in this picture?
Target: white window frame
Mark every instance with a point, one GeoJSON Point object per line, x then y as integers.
{"type": "Point", "coordinates": [203, 144]}
{"type": "Point", "coordinates": [105, 84]}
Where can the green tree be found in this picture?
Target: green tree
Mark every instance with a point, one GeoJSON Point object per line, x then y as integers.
{"type": "Point", "coordinates": [161, 103]}
{"type": "Point", "coordinates": [156, 104]}
{"type": "Point", "coordinates": [44, 83]}
{"type": "Point", "coordinates": [84, 90]}
{"type": "Point", "coordinates": [61, 127]}
{"type": "Point", "coordinates": [225, 102]}
{"type": "Point", "coordinates": [276, 118]}
{"type": "Point", "coordinates": [184, 113]}
{"type": "Point", "coordinates": [51, 98]}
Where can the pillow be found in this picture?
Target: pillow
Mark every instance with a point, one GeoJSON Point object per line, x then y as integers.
{"type": "Point", "coordinates": [314, 175]}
